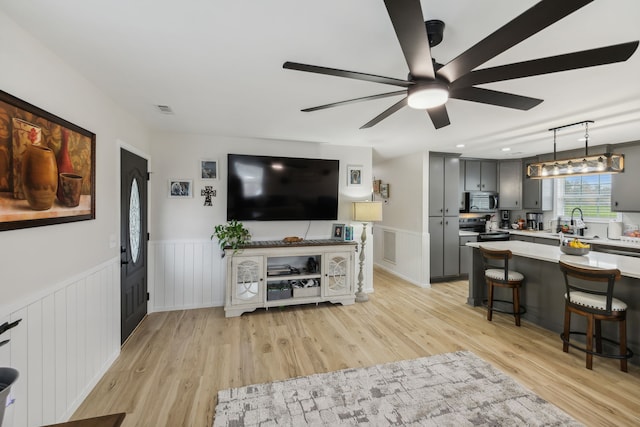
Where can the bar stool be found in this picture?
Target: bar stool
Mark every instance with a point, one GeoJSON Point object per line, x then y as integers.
{"type": "Point", "coordinates": [497, 273]}
{"type": "Point", "coordinates": [596, 303]}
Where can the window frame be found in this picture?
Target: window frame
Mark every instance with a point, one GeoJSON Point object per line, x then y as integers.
{"type": "Point", "coordinates": [558, 205]}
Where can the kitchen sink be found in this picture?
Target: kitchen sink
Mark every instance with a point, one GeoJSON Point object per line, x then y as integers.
{"type": "Point", "coordinates": [571, 236]}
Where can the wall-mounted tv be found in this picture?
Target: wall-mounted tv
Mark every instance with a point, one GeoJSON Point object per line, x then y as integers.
{"type": "Point", "coordinates": [265, 188]}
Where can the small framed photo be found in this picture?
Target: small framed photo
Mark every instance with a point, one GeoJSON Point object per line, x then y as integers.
{"type": "Point", "coordinates": [337, 232]}
{"type": "Point", "coordinates": [348, 233]}
{"type": "Point", "coordinates": [376, 186]}
{"type": "Point", "coordinates": [354, 175]}
{"type": "Point", "coordinates": [208, 169]}
{"type": "Point", "coordinates": [180, 188]}
{"type": "Point", "coordinates": [384, 191]}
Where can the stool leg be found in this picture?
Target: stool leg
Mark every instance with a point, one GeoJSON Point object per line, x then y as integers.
{"type": "Point", "coordinates": [567, 324]}
{"type": "Point", "coordinates": [490, 302]}
{"type": "Point", "coordinates": [589, 337]}
{"type": "Point", "coordinates": [516, 304]}
{"type": "Point", "coordinates": [598, 336]}
{"type": "Point", "coordinates": [623, 344]}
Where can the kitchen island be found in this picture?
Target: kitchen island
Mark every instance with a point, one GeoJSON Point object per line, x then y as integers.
{"type": "Point", "coordinates": [544, 289]}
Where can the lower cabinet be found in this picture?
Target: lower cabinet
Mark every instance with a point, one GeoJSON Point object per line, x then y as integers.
{"type": "Point", "coordinates": [465, 254]}
{"type": "Point", "coordinates": [273, 274]}
{"type": "Point", "coordinates": [443, 250]}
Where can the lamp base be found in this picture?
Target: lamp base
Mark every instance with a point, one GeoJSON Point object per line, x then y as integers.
{"type": "Point", "coordinates": [362, 296]}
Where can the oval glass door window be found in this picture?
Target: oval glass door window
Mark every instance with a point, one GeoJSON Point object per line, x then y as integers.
{"type": "Point", "coordinates": [134, 221]}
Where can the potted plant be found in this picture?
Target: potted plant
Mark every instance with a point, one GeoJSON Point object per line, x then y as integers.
{"type": "Point", "coordinates": [232, 234]}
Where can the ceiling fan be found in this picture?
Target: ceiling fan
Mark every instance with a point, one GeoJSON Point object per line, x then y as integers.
{"type": "Point", "coordinates": [429, 84]}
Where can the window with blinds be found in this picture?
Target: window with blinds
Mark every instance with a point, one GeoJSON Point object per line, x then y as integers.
{"type": "Point", "coordinates": [590, 193]}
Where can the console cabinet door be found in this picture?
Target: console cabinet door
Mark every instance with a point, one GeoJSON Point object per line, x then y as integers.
{"type": "Point", "coordinates": [436, 243]}
{"type": "Point", "coordinates": [247, 280]}
{"type": "Point", "coordinates": [337, 274]}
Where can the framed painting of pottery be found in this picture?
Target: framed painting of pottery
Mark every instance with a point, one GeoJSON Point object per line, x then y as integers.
{"type": "Point", "coordinates": [47, 167]}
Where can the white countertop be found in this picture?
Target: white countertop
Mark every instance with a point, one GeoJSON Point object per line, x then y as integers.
{"type": "Point", "coordinates": [628, 266]}
{"type": "Point", "coordinates": [547, 234]}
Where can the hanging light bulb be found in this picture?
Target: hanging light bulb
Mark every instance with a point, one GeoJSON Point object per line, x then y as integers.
{"type": "Point", "coordinates": [569, 167]}
{"type": "Point", "coordinates": [585, 165]}
{"type": "Point", "coordinates": [601, 165]}
{"type": "Point", "coordinates": [544, 171]}
{"type": "Point", "coordinates": [556, 169]}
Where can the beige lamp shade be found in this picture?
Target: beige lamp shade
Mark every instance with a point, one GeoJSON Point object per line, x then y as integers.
{"type": "Point", "coordinates": [367, 211]}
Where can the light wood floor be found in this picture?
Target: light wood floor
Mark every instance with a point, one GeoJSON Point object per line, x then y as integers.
{"type": "Point", "coordinates": [171, 369]}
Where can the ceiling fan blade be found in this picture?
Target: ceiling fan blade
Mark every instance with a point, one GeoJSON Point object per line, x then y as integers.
{"type": "Point", "coordinates": [352, 101]}
{"type": "Point", "coordinates": [551, 64]}
{"type": "Point", "coordinates": [439, 116]}
{"type": "Point", "coordinates": [386, 113]}
{"type": "Point", "coordinates": [527, 24]}
{"type": "Point", "coordinates": [408, 23]}
{"type": "Point", "coordinates": [501, 99]}
{"type": "Point", "coordinates": [348, 74]}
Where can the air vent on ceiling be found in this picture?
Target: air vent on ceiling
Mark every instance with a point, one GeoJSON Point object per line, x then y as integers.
{"type": "Point", "coordinates": [164, 109]}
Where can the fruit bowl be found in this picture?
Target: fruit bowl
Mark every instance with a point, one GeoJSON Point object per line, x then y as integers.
{"type": "Point", "coordinates": [574, 251]}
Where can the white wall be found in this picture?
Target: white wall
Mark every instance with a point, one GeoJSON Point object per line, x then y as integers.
{"type": "Point", "coordinates": [37, 263]}
{"type": "Point", "coordinates": [187, 270]}
{"type": "Point", "coordinates": [404, 214]}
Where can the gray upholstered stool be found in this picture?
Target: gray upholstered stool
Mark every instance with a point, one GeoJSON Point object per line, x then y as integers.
{"type": "Point", "coordinates": [497, 273]}
{"type": "Point", "coordinates": [589, 293]}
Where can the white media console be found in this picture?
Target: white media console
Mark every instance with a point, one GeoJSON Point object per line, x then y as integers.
{"type": "Point", "coordinates": [266, 274]}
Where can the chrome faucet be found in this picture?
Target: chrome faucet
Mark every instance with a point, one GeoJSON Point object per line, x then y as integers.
{"type": "Point", "coordinates": [578, 230]}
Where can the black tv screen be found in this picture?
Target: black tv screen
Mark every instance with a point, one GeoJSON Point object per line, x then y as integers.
{"type": "Point", "coordinates": [264, 188]}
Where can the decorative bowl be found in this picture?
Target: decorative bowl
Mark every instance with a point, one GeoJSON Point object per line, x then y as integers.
{"type": "Point", "coordinates": [574, 251]}
{"type": "Point", "coordinates": [515, 226]}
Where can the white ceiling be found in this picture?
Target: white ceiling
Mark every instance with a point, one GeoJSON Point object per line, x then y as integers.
{"type": "Point", "coordinates": [218, 64]}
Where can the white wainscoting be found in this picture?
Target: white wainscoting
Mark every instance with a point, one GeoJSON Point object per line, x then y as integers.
{"type": "Point", "coordinates": [185, 274]}
{"type": "Point", "coordinates": [68, 338]}
{"type": "Point", "coordinates": [411, 253]}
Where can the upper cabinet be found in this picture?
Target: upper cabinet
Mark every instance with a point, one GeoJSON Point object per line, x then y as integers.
{"type": "Point", "coordinates": [480, 175]}
{"type": "Point", "coordinates": [624, 186]}
{"type": "Point", "coordinates": [536, 193]}
{"type": "Point", "coordinates": [443, 185]}
{"type": "Point", "coordinates": [510, 184]}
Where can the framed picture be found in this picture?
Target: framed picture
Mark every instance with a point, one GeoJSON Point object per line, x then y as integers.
{"type": "Point", "coordinates": [337, 232]}
{"type": "Point", "coordinates": [348, 233]}
{"type": "Point", "coordinates": [354, 175]}
{"type": "Point", "coordinates": [47, 167]}
{"type": "Point", "coordinates": [208, 169]}
{"type": "Point", "coordinates": [384, 191]}
{"type": "Point", "coordinates": [180, 188]}
{"type": "Point", "coordinates": [376, 186]}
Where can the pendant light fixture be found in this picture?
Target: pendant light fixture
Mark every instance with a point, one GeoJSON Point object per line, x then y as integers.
{"type": "Point", "coordinates": [577, 166]}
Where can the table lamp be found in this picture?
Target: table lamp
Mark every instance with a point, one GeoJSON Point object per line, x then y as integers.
{"type": "Point", "coordinates": [365, 212]}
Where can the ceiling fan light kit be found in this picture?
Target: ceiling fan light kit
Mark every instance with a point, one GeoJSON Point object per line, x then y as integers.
{"type": "Point", "coordinates": [430, 85]}
{"type": "Point", "coordinates": [577, 166]}
{"type": "Point", "coordinates": [422, 96]}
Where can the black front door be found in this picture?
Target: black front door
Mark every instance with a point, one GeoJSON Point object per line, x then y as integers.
{"type": "Point", "coordinates": [133, 241]}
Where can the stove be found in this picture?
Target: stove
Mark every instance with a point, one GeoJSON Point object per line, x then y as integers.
{"type": "Point", "coordinates": [478, 225]}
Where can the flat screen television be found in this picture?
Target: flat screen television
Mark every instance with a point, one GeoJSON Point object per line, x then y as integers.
{"type": "Point", "coordinates": [265, 188]}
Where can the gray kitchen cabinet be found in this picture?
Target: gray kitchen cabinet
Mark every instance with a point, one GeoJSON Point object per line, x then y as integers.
{"type": "Point", "coordinates": [510, 184]}
{"type": "Point", "coordinates": [536, 193]}
{"type": "Point", "coordinates": [444, 247]}
{"type": "Point", "coordinates": [444, 175]}
{"type": "Point", "coordinates": [624, 186]}
{"type": "Point", "coordinates": [521, 238]}
{"type": "Point", "coordinates": [461, 185]}
{"type": "Point", "coordinates": [465, 254]}
{"type": "Point", "coordinates": [481, 175]}
{"type": "Point", "coordinates": [443, 185]}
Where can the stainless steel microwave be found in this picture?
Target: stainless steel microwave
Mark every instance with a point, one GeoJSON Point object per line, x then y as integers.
{"type": "Point", "coordinates": [480, 201]}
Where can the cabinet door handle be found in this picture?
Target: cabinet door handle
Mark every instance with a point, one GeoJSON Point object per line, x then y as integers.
{"type": "Point", "coordinates": [616, 203]}
{"type": "Point", "coordinates": [446, 210]}
{"type": "Point", "coordinates": [440, 209]}
{"type": "Point", "coordinates": [446, 222]}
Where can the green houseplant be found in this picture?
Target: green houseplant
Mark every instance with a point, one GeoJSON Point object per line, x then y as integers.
{"type": "Point", "coordinates": [232, 234]}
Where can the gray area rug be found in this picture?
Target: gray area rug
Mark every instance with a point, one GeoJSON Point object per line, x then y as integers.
{"type": "Point", "coordinates": [452, 389]}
